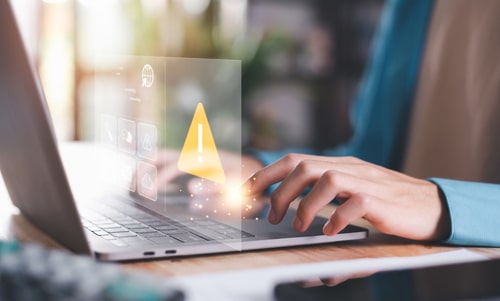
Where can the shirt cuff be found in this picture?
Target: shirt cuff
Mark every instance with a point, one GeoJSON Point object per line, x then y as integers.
{"type": "Point", "coordinates": [474, 212]}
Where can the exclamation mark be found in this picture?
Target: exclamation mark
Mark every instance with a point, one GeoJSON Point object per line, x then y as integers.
{"type": "Point", "coordinates": [200, 142]}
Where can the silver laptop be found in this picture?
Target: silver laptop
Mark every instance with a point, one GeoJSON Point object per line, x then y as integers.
{"type": "Point", "coordinates": [121, 226]}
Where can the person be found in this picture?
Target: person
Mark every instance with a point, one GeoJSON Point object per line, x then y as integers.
{"type": "Point", "coordinates": [424, 154]}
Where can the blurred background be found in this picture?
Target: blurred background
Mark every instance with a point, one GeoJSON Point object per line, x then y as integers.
{"type": "Point", "coordinates": [301, 60]}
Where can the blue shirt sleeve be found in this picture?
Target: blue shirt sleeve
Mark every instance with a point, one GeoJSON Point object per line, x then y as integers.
{"type": "Point", "coordinates": [474, 212]}
{"type": "Point", "coordinates": [384, 99]}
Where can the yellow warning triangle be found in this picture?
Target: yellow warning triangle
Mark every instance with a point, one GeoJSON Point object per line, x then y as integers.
{"type": "Point", "coordinates": [199, 155]}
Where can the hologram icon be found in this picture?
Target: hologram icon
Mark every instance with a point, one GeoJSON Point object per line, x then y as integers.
{"type": "Point", "coordinates": [146, 143]}
{"type": "Point", "coordinates": [199, 156]}
{"type": "Point", "coordinates": [147, 75]}
{"type": "Point", "coordinates": [127, 135]}
{"type": "Point", "coordinates": [147, 181]}
{"type": "Point", "coordinates": [147, 140]}
{"type": "Point", "coordinates": [146, 176]}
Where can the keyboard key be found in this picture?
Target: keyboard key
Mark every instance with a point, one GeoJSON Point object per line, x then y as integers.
{"type": "Point", "coordinates": [145, 230]}
{"type": "Point", "coordinates": [91, 227]}
{"type": "Point", "coordinates": [136, 226]}
{"type": "Point", "coordinates": [108, 237]}
{"type": "Point", "coordinates": [211, 235]}
{"type": "Point", "coordinates": [100, 232]}
{"type": "Point", "coordinates": [165, 227]}
{"type": "Point", "coordinates": [124, 234]}
{"type": "Point", "coordinates": [174, 231]}
{"type": "Point", "coordinates": [164, 240]}
{"type": "Point", "coordinates": [153, 234]}
{"type": "Point", "coordinates": [129, 222]}
{"type": "Point", "coordinates": [136, 241]}
{"type": "Point", "coordinates": [109, 225]}
{"type": "Point", "coordinates": [187, 237]}
{"type": "Point", "coordinates": [116, 230]}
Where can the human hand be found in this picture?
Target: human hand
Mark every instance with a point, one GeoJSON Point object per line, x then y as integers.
{"type": "Point", "coordinates": [394, 203]}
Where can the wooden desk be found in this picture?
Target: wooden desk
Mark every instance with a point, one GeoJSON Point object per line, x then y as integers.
{"type": "Point", "coordinates": [15, 226]}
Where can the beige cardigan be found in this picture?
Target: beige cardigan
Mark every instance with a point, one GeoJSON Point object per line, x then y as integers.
{"type": "Point", "coordinates": [455, 126]}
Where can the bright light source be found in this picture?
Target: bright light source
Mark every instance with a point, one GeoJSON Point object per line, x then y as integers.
{"type": "Point", "coordinates": [234, 195]}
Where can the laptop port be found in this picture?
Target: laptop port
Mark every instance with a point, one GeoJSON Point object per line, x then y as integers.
{"type": "Point", "coordinates": [170, 251]}
{"type": "Point", "coordinates": [149, 253]}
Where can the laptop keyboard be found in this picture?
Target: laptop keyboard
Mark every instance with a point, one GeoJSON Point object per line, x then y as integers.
{"type": "Point", "coordinates": [131, 226]}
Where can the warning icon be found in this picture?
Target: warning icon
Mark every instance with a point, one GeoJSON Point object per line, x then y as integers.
{"type": "Point", "coordinates": [199, 155]}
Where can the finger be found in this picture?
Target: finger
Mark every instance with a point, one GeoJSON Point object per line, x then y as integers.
{"type": "Point", "coordinates": [331, 184]}
{"type": "Point", "coordinates": [273, 173]}
{"type": "Point", "coordinates": [280, 169]}
{"type": "Point", "coordinates": [304, 175]}
{"type": "Point", "coordinates": [357, 206]}
{"type": "Point", "coordinates": [277, 171]}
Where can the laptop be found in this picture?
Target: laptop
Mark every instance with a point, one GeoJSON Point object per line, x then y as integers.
{"type": "Point", "coordinates": [126, 226]}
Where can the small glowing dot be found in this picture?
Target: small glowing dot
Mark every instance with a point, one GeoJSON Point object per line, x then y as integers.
{"type": "Point", "coordinates": [191, 195]}
{"type": "Point", "coordinates": [191, 218]}
{"type": "Point", "coordinates": [215, 211]}
{"type": "Point", "coordinates": [200, 206]}
{"type": "Point", "coordinates": [207, 199]}
{"type": "Point", "coordinates": [229, 213]}
{"type": "Point", "coordinates": [180, 190]}
{"type": "Point", "coordinates": [254, 178]}
{"type": "Point", "coordinates": [202, 180]}
{"type": "Point", "coordinates": [206, 216]}
{"type": "Point", "coordinates": [249, 206]}
{"type": "Point", "coordinates": [256, 218]}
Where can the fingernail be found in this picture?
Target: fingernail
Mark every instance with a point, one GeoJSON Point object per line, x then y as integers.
{"type": "Point", "coordinates": [297, 223]}
{"type": "Point", "coordinates": [271, 217]}
{"type": "Point", "coordinates": [328, 228]}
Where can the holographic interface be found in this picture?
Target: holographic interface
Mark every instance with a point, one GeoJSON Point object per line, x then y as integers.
{"type": "Point", "coordinates": [168, 134]}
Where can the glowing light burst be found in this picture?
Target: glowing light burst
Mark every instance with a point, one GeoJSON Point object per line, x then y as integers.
{"type": "Point", "coordinates": [234, 195]}
{"type": "Point", "coordinates": [229, 200]}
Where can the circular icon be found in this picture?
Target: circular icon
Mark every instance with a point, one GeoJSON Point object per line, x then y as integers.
{"type": "Point", "coordinates": [147, 75]}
